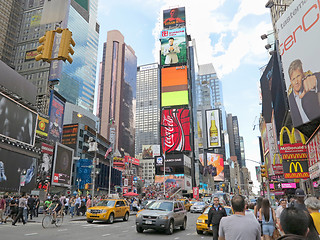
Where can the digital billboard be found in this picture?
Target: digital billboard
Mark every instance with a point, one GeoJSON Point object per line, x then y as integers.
{"type": "Point", "coordinates": [149, 151]}
{"type": "Point", "coordinates": [62, 165]}
{"type": "Point", "coordinates": [176, 180]}
{"type": "Point", "coordinates": [70, 135]}
{"type": "Point", "coordinates": [173, 47]}
{"type": "Point", "coordinates": [42, 126]}
{"type": "Point", "coordinates": [174, 17]}
{"type": "Point", "coordinates": [175, 130]}
{"type": "Point", "coordinates": [45, 163]}
{"type": "Point", "coordinates": [216, 160]}
{"type": "Point", "coordinates": [200, 129]}
{"type": "Point", "coordinates": [17, 121]}
{"type": "Point", "coordinates": [213, 128]}
{"type": "Point", "coordinates": [174, 86]}
{"type": "Point", "coordinates": [30, 55]}
{"type": "Point", "coordinates": [83, 172]}
{"type": "Point", "coordinates": [56, 112]}
{"type": "Point", "coordinates": [295, 168]}
{"type": "Point", "coordinates": [12, 165]}
{"type": "Point", "coordinates": [298, 31]}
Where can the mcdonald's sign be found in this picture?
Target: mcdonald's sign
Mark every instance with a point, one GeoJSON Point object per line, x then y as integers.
{"type": "Point", "coordinates": [295, 169]}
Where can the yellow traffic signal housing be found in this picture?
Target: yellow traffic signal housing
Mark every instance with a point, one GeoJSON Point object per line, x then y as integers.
{"type": "Point", "coordinates": [86, 186]}
{"type": "Point", "coordinates": [264, 172]}
{"type": "Point", "coordinates": [45, 50]}
{"type": "Point", "coordinates": [65, 49]}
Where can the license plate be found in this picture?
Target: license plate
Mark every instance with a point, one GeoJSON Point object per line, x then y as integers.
{"type": "Point", "coordinates": [148, 222]}
{"type": "Point", "coordinates": [94, 216]}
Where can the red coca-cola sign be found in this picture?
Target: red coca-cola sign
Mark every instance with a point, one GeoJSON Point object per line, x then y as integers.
{"type": "Point", "coordinates": [175, 130]}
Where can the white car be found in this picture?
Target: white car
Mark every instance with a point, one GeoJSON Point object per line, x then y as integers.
{"type": "Point", "coordinates": [198, 207]}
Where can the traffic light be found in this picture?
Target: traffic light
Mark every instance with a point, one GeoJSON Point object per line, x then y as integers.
{"type": "Point", "coordinates": [86, 186]}
{"type": "Point", "coordinates": [65, 49]}
{"type": "Point", "coordinates": [264, 171]}
{"type": "Point", "coordinates": [45, 50]}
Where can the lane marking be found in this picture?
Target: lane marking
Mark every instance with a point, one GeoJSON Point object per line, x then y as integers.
{"type": "Point", "coordinates": [104, 235]}
{"type": "Point", "coordinates": [125, 231]}
{"type": "Point", "coordinates": [62, 230]}
{"type": "Point", "coordinates": [188, 234]}
{"type": "Point", "coordinates": [97, 226]}
{"type": "Point", "coordinates": [30, 234]}
{"type": "Point", "coordinates": [177, 238]}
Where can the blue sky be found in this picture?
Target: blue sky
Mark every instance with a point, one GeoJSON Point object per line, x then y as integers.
{"type": "Point", "coordinates": [227, 34]}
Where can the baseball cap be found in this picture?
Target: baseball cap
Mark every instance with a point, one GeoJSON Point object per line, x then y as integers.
{"type": "Point", "coordinates": [299, 192]}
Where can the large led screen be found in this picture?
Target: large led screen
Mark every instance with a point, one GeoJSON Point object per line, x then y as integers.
{"type": "Point", "coordinates": [17, 121]}
{"type": "Point", "coordinates": [174, 86]}
{"type": "Point", "coordinates": [173, 47]}
{"type": "Point", "coordinates": [299, 31]}
{"type": "Point", "coordinates": [62, 167]}
{"type": "Point", "coordinates": [213, 128]}
{"type": "Point", "coordinates": [56, 112]}
{"type": "Point", "coordinates": [45, 163]}
{"type": "Point", "coordinates": [175, 130]}
{"type": "Point", "coordinates": [16, 168]}
{"type": "Point", "coordinates": [216, 160]}
{"type": "Point", "coordinates": [174, 17]}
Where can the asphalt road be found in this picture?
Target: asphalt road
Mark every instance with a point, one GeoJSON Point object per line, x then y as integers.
{"type": "Point", "coordinates": [80, 230]}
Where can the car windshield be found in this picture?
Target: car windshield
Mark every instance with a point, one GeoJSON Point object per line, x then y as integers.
{"type": "Point", "coordinates": [106, 203]}
{"type": "Point", "coordinates": [228, 211]}
{"type": "Point", "coordinates": [206, 211]}
{"type": "Point", "coordinates": [199, 203]}
{"type": "Point", "coordinates": [163, 206]}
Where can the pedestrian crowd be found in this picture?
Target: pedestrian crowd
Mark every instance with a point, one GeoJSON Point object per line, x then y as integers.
{"type": "Point", "coordinates": [298, 219]}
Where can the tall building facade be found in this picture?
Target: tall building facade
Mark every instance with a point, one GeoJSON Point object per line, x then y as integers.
{"type": "Point", "coordinates": [10, 19]}
{"type": "Point", "coordinates": [77, 80]}
{"type": "Point", "coordinates": [147, 107]}
{"type": "Point", "coordinates": [117, 93]}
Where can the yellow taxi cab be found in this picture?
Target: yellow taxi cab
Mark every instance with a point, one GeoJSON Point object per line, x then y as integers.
{"type": "Point", "coordinates": [109, 209]}
{"type": "Point", "coordinates": [202, 221]}
{"type": "Point", "coordinates": [187, 204]}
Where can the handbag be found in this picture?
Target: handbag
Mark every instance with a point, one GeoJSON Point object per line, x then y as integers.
{"type": "Point", "coordinates": [276, 234]}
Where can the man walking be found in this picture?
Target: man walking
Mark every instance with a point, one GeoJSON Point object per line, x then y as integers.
{"type": "Point", "coordinates": [215, 214]}
{"type": "Point", "coordinates": [239, 226]}
{"type": "Point", "coordinates": [22, 206]}
{"type": "Point", "coordinates": [2, 208]}
{"type": "Point", "coordinates": [31, 206]}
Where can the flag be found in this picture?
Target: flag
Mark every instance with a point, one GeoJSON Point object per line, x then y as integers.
{"type": "Point", "coordinates": [107, 152]}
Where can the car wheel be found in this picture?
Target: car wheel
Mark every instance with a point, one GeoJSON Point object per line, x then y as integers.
{"type": "Point", "coordinates": [170, 228]}
{"type": "Point", "coordinates": [199, 231]}
{"type": "Point", "coordinates": [111, 218]}
{"type": "Point", "coordinates": [184, 225]}
{"type": "Point", "coordinates": [139, 229]}
{"type": "Point", "coordinates": [89, 221]}
{"type": "Point", "coordinates": [126, 217]}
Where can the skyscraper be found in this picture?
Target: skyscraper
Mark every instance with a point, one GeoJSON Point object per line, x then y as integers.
{"type": "Point", "coordinates": [77, 80]}
{"type": "Point", "coordinates": [117, 93]}
{"type": "Point", "coordinates": [147, 109]}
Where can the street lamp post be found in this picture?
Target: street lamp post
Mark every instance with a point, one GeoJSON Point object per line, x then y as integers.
{"type": "Point", "coordinates": [110, 169]}
{"type": "Point", "coordinates": [94, 163]}
{"type": "Point", "coordinates": [78, 181]}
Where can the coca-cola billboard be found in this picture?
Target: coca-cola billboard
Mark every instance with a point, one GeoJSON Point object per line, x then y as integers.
{"type": "Point", "coordinates": [175, 130]}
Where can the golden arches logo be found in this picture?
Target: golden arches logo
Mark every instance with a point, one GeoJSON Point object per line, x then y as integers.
{"type": "Point", "coordinates": [274, 158]}
{"type": "Point", "coordinates": [295, 166]}
{"type": "Point", "coordinates": [291, 136]}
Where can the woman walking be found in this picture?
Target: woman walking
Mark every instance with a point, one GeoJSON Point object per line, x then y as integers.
{"type": "Point", "coordinates": [267, 216]}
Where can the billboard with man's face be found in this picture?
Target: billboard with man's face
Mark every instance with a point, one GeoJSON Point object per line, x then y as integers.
{"type": "Point", "coordinates": [17, 121]}
{"type": "Point", "coordinates": [299, 31]}
{"type": "Point", "coordinates": [173, 47]}
{"type": "Point", "coordinates": [62, 166]}
{"type": "Point", "coordinates": [174, 17]}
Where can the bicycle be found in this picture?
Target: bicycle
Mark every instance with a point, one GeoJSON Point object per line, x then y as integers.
{"type": "Point", "coordinates": [48, 220]}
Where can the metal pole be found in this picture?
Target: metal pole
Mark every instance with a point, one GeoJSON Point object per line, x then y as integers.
{"type": "Point", "coordinates": [94, 166]}
{"type": "Point", "coordinates": [19, 184]}
{"type": "Point", "coordinates": [110, 168]}
{"type": "Point", "coordinates": [164, 174]}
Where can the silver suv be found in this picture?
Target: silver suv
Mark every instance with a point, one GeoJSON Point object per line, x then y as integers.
{"type": "Point", "coordinates": [162, 215]}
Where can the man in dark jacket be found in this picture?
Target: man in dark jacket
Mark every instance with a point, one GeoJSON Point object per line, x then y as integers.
{"type": "Point", "coordinates": [215, 214]}
{"type": "Point", "coordinates": [294, 223]}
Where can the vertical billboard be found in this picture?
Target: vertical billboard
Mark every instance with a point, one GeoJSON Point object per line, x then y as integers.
{"type": "Point", "coordinates": [200, 129]}
{"type": "Point", "coordinates": [12, 166]}
{"type": "Point", "coordinates": [173, 47]}
{"type": "Point", "coordinates": [17, 121]}
{"type": "Point", "coordinates": [83, 172]}
{"type": "Point", "coordinates": [299, 31]}
{"type": "Point", "coordinates": [62, 166]}
{"type": "Point", "coordinates": [45, 163]}
{"type": "Point", "coordinates": [174, 17]}
{"type": "Point", "coordinates": [213, 128]}
{"type": "Point", "coordinates": [70, 135]}
{"type": "Point", "coordinates": [174, 86]}
{"type": "Point", "coordinates": [216, 160]}
{"type": "Point", "coordinates": [42, 126]}
{"type": "Point", "coordinates": [175, 130]}
{"type": "Point", "coordinates": [56, 112]}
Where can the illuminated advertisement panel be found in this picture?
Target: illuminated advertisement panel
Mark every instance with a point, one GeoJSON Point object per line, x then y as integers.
{"type": "Point", "coordinates": [216, 160]}
{"type": "Point", "coordinates": [200, 129]}
{"type": "Point", "coordinates": [174, 86]}
{"type": "Point", "coordinates": [298, 31]}
{"type": "Point", "coordinates": [149, 151]}
{"type": "Point", "coordinates": [173, 47]}
{"type": "Point", "coordinates": [17, 121]}
{"type": "Point", "coordinates": [42, 126]}
{"type": "Point", "coordinates": [175, 180]}
{"type": "Point", "coordinates": [213, 128]}
{"type": "Point", "coordinates": [175, 130]}
{"type": "Point", "coordinates": [62, 166]}
{"type": "Point", "coordinates": [295, 168]}
{"type": "Point", "coordinates": [56, 112]}
{"type": "Point", "coordinates": [174, 17]}
{"type": "Point", "coordinates": [30, 55]}
{"type": "Point", "coordinates": [70, 135]}
{"type": "Point", "coordinates": [45, 164]}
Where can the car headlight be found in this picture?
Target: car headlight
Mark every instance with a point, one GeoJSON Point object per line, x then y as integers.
{"type": "Point", "coordinates": [89, 210]}
{"type": "Point", "coordinates": [200, 221]}
{"type": "Point", "coordinates": [104, 210]}
{"type": "Point", "coordinates": [163, 217]}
